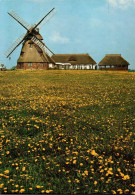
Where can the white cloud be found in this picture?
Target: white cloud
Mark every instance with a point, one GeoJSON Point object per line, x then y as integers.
{"type": "Point", "coordinates": [123, 4]}
{"type": "Point", "coordinates": [57, 38]}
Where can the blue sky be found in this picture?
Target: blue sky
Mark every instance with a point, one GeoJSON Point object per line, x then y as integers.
{"type": "Point", "coordinates": [97, 27]}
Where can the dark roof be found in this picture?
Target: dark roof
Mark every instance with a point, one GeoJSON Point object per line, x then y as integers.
{"type": "Point", "coordinates": [33, 54]}
{"type": "Point", "coordinates": [113, 59]}
{"type": "Point", "coordinates": [73, 59]}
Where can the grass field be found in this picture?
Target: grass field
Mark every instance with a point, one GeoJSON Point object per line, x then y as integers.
{"type": "Point", "coordinates": [67, 132]}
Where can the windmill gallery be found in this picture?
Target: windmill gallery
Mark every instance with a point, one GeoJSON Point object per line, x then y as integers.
{"type": "Point", "coordinates": [36, 55]}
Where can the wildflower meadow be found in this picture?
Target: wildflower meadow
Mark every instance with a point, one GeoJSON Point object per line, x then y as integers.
{"type": "Point", "coordinates": [67, 131]}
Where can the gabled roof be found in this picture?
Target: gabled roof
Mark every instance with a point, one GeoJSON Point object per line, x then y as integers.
{"type": "Point", "coordinates": [33, 54]}
{"type": "Point", "coordinates": [73, 59]}
{"type": "Point", "coordinates": [113, 59]}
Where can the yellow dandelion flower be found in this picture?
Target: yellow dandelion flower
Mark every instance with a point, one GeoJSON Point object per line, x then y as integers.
{"type": "Point", "coordinates": [95, 182]}
{"type": "Point", "coordinates": [21, 191]}
{"type": "Point", "coordinates": [23, 169]}
{"type": "Point", "coordinates": [74, 161]}
{"type": "Point", "coordinates": [94, 153]}
{"type": "Point", "coordinates": [88, 151]}
{"type": "Point", "coordinates": [39, 187]}
{"type": "Point", "coordinates": [1, 185]}
{"type": "Point", "coordinates": [127, 190]}
{"type": "Point", "coordinates": [102, 170]}
{"type": "Point", "coordinates": [6, 172]}
{"type": "Point", "coordinates": [126, 177]}
{"type": "Point", "coordinates": [119, 190]}
{"type": "Point", "coordinates": [77, 180]}
{"type": "Point", "coordinates": [122, 174]}
{"type": "Point", "coordinates": [86, 172]}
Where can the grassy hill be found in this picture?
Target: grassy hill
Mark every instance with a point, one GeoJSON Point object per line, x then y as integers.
{"type": "Point", "coordinates": [67, 131]}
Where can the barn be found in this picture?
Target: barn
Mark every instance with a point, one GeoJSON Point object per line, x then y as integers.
{"type": "Point", "coordinates": [113, 62]}
{"type": "Point", "coordinates": [33, 57]}
{"type": "Point", "coordinates": [75, 61]}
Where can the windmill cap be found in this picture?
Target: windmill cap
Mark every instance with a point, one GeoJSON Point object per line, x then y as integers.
{"type": "Point", "coordinates": [37, 29]}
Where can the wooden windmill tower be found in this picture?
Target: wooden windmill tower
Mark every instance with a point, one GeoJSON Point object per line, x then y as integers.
{"type": "Point", "coordinates": [34, 53]}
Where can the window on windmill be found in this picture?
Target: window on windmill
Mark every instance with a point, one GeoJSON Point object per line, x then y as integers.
{"type": "Point", "coordinates": [22, 53]}
{"type": "Point", "coordinates": [31, 45]}
{"type": "Point", "coordinates": [40, 52]}
{"type": "Point", "coordinates": [30, 64]}
{"type": "Point", "coordinates": [41, 64]}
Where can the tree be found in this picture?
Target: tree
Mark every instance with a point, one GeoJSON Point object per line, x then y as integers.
{"type": "Point", "coordinates": [13, 68]}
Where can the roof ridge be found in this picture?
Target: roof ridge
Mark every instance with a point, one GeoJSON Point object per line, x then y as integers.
{"type": "Point", "coordinates": [73, 54]}
{"type": "Point", "coordinates": [113, 55]}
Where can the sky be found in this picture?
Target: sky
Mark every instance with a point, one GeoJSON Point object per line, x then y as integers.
{"type": "Point", "coordinates": [97, 27]}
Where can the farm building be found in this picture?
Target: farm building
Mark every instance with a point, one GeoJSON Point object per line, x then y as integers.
{"type": "Point", "coordinates": [63, 66]}
{"type": "Point", "coordinates": [113, 62]}
{"type": "Point", "coordinates": [74, 61]}
{"type": "Point", "coordinates": [2, 68]}
{"type": "Point", "coordinates": [33, 57]}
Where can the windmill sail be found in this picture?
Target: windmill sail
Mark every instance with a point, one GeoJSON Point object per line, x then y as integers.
{"type": "Point", "coordinates": [15, 45]}
{"type": "Point", "coordinates": [43, 18]}
{"type": "Point", "coordinates": [19, 19]}
{"type": "Point", "coordinates": [42, 46]}
{"type": "Point", "coordinates": [47, 19]}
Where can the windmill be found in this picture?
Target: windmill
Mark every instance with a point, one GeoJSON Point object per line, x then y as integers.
{"type": "Point", "coordinates": [34, 53]}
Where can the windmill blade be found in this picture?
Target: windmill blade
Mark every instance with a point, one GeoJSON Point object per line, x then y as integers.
{"type": "Point", "coordinates": [15, 45]}
{"type": "Point", "coordinates": [19, 19]}
{"type": "Point", "coordinates": [43, 18]}
{"type": "Point", "coordinates": [42, 45]}
{"type": "Point", "coordinates": [47, 19]}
